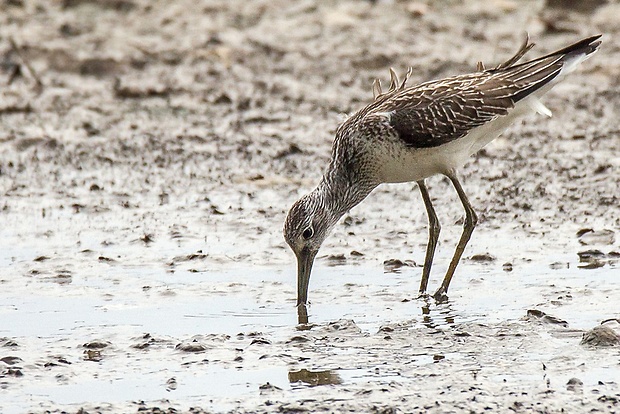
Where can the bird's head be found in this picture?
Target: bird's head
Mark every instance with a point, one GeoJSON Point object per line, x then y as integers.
{"type": "Point", "coordinates": [307, 225]}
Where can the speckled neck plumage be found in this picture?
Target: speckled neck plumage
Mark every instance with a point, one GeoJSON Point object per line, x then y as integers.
{"type": "Point", "coordinates": [343, 186]}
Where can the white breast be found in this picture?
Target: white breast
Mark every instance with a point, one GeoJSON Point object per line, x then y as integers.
{"type": "Point", "coordinates": [403, 164]}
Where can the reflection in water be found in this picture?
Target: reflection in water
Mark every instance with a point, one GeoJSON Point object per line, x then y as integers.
{"type": "Point", "coordinates": [441, 315]}
{"type": "Point", "coordinates": [314, 378]}
{"type": "Point", "coordinates": [434, 315]}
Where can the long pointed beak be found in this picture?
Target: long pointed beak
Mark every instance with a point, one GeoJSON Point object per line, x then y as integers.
{"type": "Point", "coordinates": [305, 259]}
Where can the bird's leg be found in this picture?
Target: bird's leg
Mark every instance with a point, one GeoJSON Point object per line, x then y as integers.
{"type": "Point", "coordinates": [468, 227]}
{"type": "Point", "coordinates": [302, 314]}
{"type": "Point", "coordinates": [433, 236]}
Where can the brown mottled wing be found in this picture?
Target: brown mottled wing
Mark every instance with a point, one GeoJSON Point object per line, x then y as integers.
{"type": "Point", "coordinates": [438, 112]}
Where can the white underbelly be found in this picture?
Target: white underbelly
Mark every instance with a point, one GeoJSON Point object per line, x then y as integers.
{"type": "Point", "coordinates": [401, 164]}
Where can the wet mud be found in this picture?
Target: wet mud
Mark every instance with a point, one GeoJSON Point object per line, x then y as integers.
{"type": "Point", "coordinates": [150, 151]}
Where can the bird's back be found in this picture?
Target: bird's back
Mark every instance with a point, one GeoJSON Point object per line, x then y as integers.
{"type": "Point", "coordinates": [427, 129]}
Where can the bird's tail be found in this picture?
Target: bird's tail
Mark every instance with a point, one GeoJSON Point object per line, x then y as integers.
{"type": "Point", "coordinates": [580, 50]}
{"type": "Point", "coordinates": [573, 55]}
{"type": "Point", "coordinates": [540, 74]}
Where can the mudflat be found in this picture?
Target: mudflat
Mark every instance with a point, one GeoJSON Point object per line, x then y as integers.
{"type": "Point", "coordinates": [149, 152]}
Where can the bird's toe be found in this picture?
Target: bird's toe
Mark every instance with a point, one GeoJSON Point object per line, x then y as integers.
{"type": "Point", "coordinates": [441, 296]}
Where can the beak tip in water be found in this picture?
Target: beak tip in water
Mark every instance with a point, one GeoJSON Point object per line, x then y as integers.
{"type": "Point", "coordinates": [304, 266]}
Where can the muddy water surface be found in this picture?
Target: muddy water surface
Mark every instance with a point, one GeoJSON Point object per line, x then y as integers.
{"type": "Point", "coordinates": [149, 153]}
{"type": "Point", "coordinates": [230, 340]}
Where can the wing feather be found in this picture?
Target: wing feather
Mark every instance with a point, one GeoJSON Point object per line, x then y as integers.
{"type": "Point", "coordinates": [437, 112]}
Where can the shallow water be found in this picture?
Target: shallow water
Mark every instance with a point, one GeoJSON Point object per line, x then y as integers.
{"type": "Point", "coordinates": [230, 313]}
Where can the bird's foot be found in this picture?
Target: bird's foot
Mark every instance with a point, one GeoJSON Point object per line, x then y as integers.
{"type": "Point", "coordinates": [441, 296]}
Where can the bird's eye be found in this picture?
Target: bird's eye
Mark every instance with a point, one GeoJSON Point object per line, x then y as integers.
{"type": "Point", "coordinates": [309, 232]}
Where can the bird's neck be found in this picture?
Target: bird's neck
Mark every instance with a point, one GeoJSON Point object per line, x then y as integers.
{"type": "Point", "coordinates": [341, 191]}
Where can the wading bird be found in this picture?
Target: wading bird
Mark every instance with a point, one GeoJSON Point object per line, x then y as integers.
{"type": "Point", "coordinates": [411, 133]}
